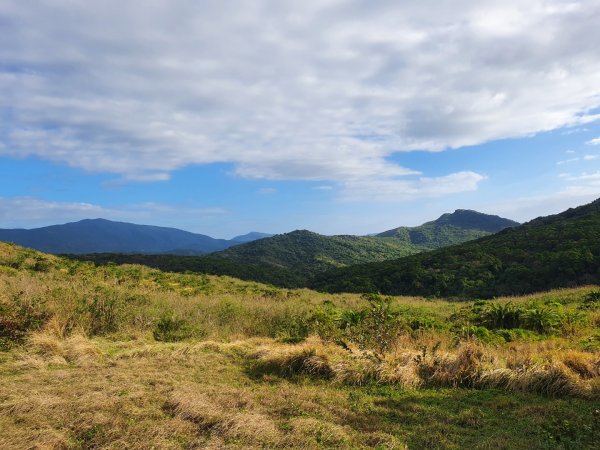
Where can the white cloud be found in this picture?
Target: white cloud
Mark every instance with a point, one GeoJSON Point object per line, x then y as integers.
{"type": "Point", "coordinates": [577, 190]}
{"type": "Point", "coordinates": [590, 178]}
{"type": "Point", "coordinates": [567, 161]}
{"type": "Point", "coordinates": [574, 131]}
{"type": "Point", "coordinates": [323, 188]}
{"type": "Point", "coordinates": [590, 157]}
{"type": "Point", "coordinates": [18, 211]}
{"type": "Point", "coordinates": [317, 90]}
{"type": "Point", "coordinates": [527, 208]}
{"type": "Point", "coordinates": [595, 141]}
{"type": "Point", "coordinates": [398, 190]}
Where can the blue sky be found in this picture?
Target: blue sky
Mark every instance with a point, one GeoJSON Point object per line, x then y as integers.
{"type": "Point", "coordinates": [330, 115]}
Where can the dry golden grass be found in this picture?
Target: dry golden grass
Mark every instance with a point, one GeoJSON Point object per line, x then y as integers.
{"type": "Point", "coordinates": [77, 392]}
{"type": "Point", "coordinates": [163, 396]}
{"type": "Point", "coordinates": [470, 365]}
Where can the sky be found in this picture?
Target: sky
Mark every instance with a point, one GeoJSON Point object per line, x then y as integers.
{"type": "Point", "coordinates": [338, 116]}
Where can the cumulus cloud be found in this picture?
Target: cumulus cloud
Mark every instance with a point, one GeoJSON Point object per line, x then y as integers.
{"type": "Point", "coordinates": [595, 141]}
{"type": "Point", "coordinates": [320, 90]}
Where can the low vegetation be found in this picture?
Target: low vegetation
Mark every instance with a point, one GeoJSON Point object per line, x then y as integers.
{"type": "Point", "coordinates": [126, 356]}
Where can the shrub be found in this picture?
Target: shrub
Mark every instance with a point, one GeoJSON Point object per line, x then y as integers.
{"type": "Point", "coordinates": [171, 329]}
{"type": "Point", "coordinates": [571, 321]}
{"type": "Point", "coordinates": [19, 316]}
{"type": "Point", "coordinates": [542, 320]}
{"type": "Point", "coordinates": [496, 315]}
{"type": "Point", "coordinates": [480, 333]}
{"type": "Point", "coordinates": [517, 334]}
{"type": "Point", "coordinates": [591, 301]}
{"type": "Point", "coordinates": [103, 311]}
{"type": "Point", "coordinates": [380, 327]}
{"type": "Point", "coordinates": [293, 329]}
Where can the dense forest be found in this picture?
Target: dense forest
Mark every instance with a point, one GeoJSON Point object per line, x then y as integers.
{"type": "Point", "coordinates": [306, 253]}
{"type": "Point", "coordinates": [554, 251]}
{"type": "Point", "coordinates": [287, 260]}
{"type": "Point", "coordinates": [262, 273]}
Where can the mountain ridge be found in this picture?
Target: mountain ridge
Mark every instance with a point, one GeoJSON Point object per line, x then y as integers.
{"type": "Point", "coordinates": [102, 235]}
{"type": "Point", "coordinates": [307, 253]}
{"type": "Point", "coordinates": [451, 228]}
{"type": "Point", "coordinates": [560, 250]}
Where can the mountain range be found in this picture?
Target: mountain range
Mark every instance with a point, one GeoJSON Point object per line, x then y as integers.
{"type": "Point", "coordinates": [303, 251]}
{"type": "Point", "coordinates": [307, 253]}
{"type": "Point", "coordinates": [561, 250]}
{"type": "Point", "coordinates": [100, 236]}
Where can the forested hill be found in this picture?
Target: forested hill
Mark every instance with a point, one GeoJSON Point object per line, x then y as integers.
{"type": "Point", "coordinates": [307, 253]}
{"type": "Point", "coordinates": [555, 251]}
{"type": "Point", "coordinates": [452, 228]}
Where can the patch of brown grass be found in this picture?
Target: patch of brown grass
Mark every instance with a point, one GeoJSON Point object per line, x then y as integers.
{"type": "Point", "coordinates": [470, 365]}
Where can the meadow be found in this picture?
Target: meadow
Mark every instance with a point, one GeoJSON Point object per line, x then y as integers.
{"type": "Point", "coordinates": [125, 356]}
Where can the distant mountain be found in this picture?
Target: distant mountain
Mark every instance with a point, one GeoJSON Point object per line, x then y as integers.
{"type": "Point", "coordinates": [562, 250]}
{"type": "Point", "coordinates": [252, 236]}
{"type": "Point", "coordinates": [452, 228]}
{"type": "Point", "coordinates": [102, 236]}
{"type": "Point", "coordinates": [307, 253]}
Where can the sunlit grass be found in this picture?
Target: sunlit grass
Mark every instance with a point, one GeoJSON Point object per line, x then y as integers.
{"type": "Point", "coordinates": [131, 357]}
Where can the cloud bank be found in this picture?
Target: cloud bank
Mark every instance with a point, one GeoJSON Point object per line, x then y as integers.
{"type": "Point", "coordinates": [323, 90]}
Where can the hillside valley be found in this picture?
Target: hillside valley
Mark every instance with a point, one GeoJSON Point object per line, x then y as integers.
{"type": "Point", "coordinates": [306, 253]}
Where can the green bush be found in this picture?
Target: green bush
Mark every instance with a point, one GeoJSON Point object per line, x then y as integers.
{"type": "Point", "coordinates": [380, 327]}
{"type": "Point", "coordinates": [517, 334]}
{"type": "Point", "coordinates": [542, 320]}
{"type": "Point", "coordinates": [227, 312]}
{"type": "Point", "coordinates": [293, 329]}
{"type": "Point", "coordinates": [98, 312]}
{"type": "Point", "coordinates": [480, 333]}
{"type": "Point", "coordinates": [591, 301]}
{"type": "Point", "coordinates": [499, 316]}
{"type": "Point", "coordinates": [19, 316]}
{"type": "Point", "coordinates": [171, 329]}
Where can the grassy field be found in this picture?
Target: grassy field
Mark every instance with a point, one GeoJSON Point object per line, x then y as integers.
{"type": "Point", "coordinates": [131, 357]}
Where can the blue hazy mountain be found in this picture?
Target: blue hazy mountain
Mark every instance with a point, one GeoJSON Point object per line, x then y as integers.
{"type": "Point", "coordinates": [105, 236]}
{"type": "Point", "coordinates": [252, 236]}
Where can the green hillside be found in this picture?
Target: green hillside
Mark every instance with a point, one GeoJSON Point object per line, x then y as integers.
{"type": "Point", "coordinates": [306, 253]}
{"type": "Point", "coordinates": [554, 251]}
{"type": "Point", "coordinates": [210, 265]}
{"type": "Point", "coordinates": [460, 226]}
